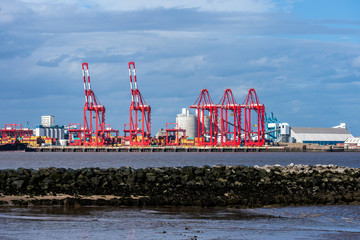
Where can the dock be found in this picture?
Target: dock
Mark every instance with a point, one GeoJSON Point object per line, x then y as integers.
{"type": "Point", "coordinates": [290, 148]}
{"type": "Point", "coordinates": [153, 149]}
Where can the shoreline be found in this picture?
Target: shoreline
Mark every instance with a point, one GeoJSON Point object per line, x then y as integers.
{"type": "Point", "coordinates": [66, 200]}
{"type": "Point", "coordinates": [295, 147]}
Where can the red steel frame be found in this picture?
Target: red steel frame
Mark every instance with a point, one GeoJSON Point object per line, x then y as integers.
{"type": "Point", "coordinates": [75, 134]}
{"type": "Point", "coordinates": [15, 130]}
{"type": "Point", "coordinates": [254, 124]}
{"type": "Point", "coordinates": [108, 131]}
{"type": "Point", "coordinates": [230, 115]}
{"type": "Point", "coordinates": [94, 114]}
{"type": "Point", "coordinates": [205, 104]}
{"type": "Point", "coordinates": [138, 109]}
{"type": "Point", "coordinates": [175, 130]}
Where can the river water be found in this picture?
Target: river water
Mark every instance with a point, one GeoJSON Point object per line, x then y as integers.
{"type": "Point", "coordinates": [312, 222]}
{"type": "Point", "coordinates": [163, 159]}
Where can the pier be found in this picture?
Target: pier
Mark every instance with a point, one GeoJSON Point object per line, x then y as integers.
{"type": "Point", "coordinates": [288, 148]}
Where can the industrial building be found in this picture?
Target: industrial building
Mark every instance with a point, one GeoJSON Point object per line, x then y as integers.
{"type": "Point", "coordinates": [48, 129]}
{"type": "Point", "coordinates": [187, 121]}
{"type": "Point", "coordinates": [47, 120]}
{"type": "Point", "coordinates": [321, 136]}
{"type": "Point", "coordinates": [352, 141]}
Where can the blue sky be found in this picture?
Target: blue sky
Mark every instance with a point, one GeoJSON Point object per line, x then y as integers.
{"type": "Point", "coordinates": [301, 56]}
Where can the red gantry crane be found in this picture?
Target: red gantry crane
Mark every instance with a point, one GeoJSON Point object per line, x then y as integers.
{"type": "Point", "coordinates": [93, 131]}
{"type": "Point", "coordinates": [173, 131]}
{"type": "Point", "coordinates": [14, 133]}
{"type": "Point", "coordinates": [254, 120]}
{"type": "Point", "coordinates": [207, 135]}
{"type": "Point", "coordinates": [94, 114]}
{"type": "Point", "coordinates": [140, 114]}
{"type": "Point", "coordinates": [75, 132]}
{"type": "Point", "coordinates": [230, 127]}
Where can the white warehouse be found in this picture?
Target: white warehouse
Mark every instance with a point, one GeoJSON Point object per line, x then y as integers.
{"type": "Point", "coordinates": [321, 136]}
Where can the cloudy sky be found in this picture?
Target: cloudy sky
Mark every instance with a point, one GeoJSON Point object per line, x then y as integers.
{"type": "Point", "coordinates": [301, 56]}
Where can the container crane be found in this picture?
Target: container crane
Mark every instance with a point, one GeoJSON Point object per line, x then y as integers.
{"type": "Point", "coordinates": [204, 104]}
{"type": "Point", "coordinates": [94, 114]}
{"type": "Point", "coordinates": [254, 120]}
{"type": "Point", "coordinates": [230, 118]}
{"type": "Point", "coordinates": [140, 114]}
{"type": "Point", "coordinates": [173, 131]}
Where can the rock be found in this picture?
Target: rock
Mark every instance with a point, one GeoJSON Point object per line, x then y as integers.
{"type": "Point", "coordinates": [201, 186]}
{"type": "Point", "coordinates": [18, 183]}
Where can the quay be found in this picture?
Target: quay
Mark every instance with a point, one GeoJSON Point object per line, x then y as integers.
{"type": "Point", "coordinates": [152, 149]}
{"type": "Point", "coordinates": [287, 148]}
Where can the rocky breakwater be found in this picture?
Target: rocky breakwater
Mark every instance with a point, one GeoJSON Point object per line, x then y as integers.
{"type": "Point", "coordinates": [186, 186]}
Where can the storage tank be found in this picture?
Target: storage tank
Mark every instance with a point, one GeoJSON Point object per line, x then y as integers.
{"type": "Point", "coordinates": [206, 123]}
{"type": "Point", "coordinates": [39, 131]}
{"type": "Point", "coordinates": [47, 132]}
{"type": "Point", "coordinates": [187, 121]}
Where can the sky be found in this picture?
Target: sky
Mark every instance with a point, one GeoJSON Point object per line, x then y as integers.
{"type": "Point", "coordinates": [301, 56]}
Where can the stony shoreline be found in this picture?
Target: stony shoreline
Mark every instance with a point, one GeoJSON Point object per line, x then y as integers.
{"type": "Point", "coordinates": [206, 186]}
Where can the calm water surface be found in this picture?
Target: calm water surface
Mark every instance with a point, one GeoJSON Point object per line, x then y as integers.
{"type": "Point", "coordinates": [330, 222]}
{"type": "Point", "coordinates": [314, 222]}
{"type": "Point", "coordinates": [142, 160]}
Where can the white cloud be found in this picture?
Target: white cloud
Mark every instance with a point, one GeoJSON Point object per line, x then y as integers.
{"type": "Point", "coordinates": [203, 5]}
{"type": "Point", "coordinates": [270, 62]}
{"type": "Point", "coordinates": [10, 10]}
{"type": "Point", "coordinates": [356, 62]}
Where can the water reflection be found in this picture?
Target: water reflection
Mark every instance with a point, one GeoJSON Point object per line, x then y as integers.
{"type": "Point", "coordinates": [315, 222]}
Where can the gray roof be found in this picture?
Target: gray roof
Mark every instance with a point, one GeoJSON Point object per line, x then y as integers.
{"type": "Point", "coordinates": [302, 134]}
{"type": "Point", "coordinates": [310, 130]}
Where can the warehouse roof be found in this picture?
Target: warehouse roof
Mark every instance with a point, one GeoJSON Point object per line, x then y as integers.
{"type": "Point", "coordinates": [310, 130]}
{"type": "Point", "coordinates": [306, 134]}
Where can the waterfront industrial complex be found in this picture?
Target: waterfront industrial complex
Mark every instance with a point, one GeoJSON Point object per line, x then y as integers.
{"type": "Point", "coordinates": [204, 124]}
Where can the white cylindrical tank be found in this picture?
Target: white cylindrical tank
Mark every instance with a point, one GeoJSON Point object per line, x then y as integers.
{"type": "Point", "coordinates": [52, 133]}
{"type": "Point", "coordinates": [188, 122]}
{"type": "Point", "coordinates": [47, 132]}
{"type": "Point", "coordinates": [206, 123]}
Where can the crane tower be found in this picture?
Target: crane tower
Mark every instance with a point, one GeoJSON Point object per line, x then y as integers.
{"type": "Point", "coordinates": [254, 120]}
{"type": "Point", "coordinates": [204, 105]}
{"type": "Point", "coordinates": [140, 114]}
{"type": "Point", "coordinates": [230, 127]}
{"type": "Point", "coordinates": [94, 114]}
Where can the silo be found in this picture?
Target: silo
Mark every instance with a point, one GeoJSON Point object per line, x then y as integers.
{"type": "Point", "coordinates": [207, 122]}
{"type": "Point", "coordinates": [187, 121]}
{"type": "Point", "coordinates": [47, 132]}
{"type": "Point", "coordinates": [52, 132]}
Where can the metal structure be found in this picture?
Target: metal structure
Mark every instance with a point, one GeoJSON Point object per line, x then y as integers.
{"type": "Point", "coordinates": [109, 132]}
{"type": "Point", "coordinates": [254, 120]}
{"type": "Point", "coordinates": [140, 114]}
{"type": "Point", "coordinates": [94, 114]}
{"type": "Point", "coordinates": [14, 132]}
{"type": "Point", "coordinates": [272, 129]}
{"type": "Point", "coordinates": [172, 134]}
{"type": "Point", "coordinates": [230, 121]}
{"type": "Point", "coordinates": [75, 132]}
{"type": "Point", "coordinates": [204, 104]}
